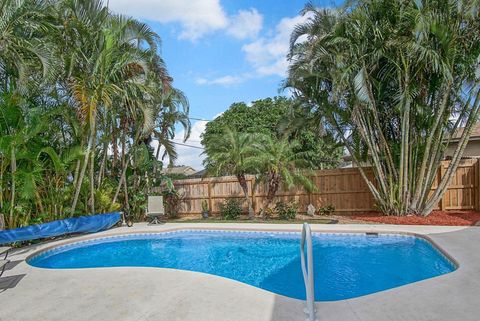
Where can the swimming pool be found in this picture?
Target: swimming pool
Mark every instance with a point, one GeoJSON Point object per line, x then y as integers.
{"type": "Point", "coordinates": [345, 265]}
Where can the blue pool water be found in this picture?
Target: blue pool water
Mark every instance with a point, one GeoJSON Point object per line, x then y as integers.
{"type": "Point", "coordinates": [346, 265]}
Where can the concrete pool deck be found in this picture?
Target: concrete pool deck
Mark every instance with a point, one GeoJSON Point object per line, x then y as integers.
{"type": "Point", "coordinates": [142, 294]}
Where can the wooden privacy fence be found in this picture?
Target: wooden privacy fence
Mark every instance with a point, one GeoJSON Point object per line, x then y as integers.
{"type": "Point", "coordinates": [345, 189]}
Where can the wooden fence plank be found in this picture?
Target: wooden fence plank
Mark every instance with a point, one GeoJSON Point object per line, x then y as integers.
{"type": "Point", "coordinates": [345, 189]}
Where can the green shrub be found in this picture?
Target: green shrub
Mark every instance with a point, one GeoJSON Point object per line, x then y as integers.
{"type": "Point", "coordinates": [326, 210]}
{"type": "Point", "coordinates": [103, 200]}
{"type": "Point", "coordinates": [172, 201]}
{"type": "Point", "coordinates": [230, 209]}
{"type": "Point", "coordinates": [268, 213]}
{"type": "Point", "coordinates": [205, 206]}
{"type": "Point", "coordinates": [286, 211]}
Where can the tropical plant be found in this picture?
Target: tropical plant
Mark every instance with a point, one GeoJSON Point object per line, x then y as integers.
{"type": "Point", "coordinates": [172, 200]}
{"type": "Point", "coordinates": [230, 209]}
{"type": "Point", "coordinates": [110, 71]}
{"type": "Point", "coordinates": [232, 153]}
{"type": "Point", "coordinates": [327, 209]}
{"type": "Point", "coordinates": [24, 27]}
{"type": "Point", "coordinates": [173, 109]}
{"type": "Point", "coordinates": [395, 80]}
{"type": "Point", "coordinates": [279, 116]}
{"type": "Point", "coordinates": [286, 211]}
{"type": "Point", "coordinates": [278, 164]}
{"type": "Point", "coordinates": [83, 93]}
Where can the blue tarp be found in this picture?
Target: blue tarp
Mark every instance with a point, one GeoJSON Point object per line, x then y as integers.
{"type": "Point", "coordinates": [81, 224]}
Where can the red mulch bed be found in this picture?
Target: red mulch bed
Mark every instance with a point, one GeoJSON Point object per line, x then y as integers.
{"type": "Point", "coordinates": [463, 218]}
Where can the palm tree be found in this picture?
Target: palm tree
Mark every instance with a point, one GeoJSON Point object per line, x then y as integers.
{"type": "Point", "coordinates": [173, 109]}
{"type": "Point", "coordinates": [232, 153]}
{"type": "Point", "coordinates": [278, 164]}
{"type": "Point", "coordinates": [114, 68]}
{"type": "Point", "coordinates": [23, 151]}
{"type": "Point", "coordinates": [108, 88]}
{"type": "Point", "coordinates": [23, 51]}
{"type": "Point", "coordinates": [395, 87]}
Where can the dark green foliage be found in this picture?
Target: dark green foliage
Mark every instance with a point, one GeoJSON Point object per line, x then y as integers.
{"type": "Point", "coordinates": [277, 117]}
{"type": "Point", "coordinates": [230, 209]}
{"type": "Point", "coordinates": [326, 210]}
{"type": "Point", "coordinates": [83, 92]}
{"type": "Point", "coordinates": [286, 211]}
{"type": "Point", "coordinates": [394, 80]}
{"type": "Point", "coordinates": [176, 176]}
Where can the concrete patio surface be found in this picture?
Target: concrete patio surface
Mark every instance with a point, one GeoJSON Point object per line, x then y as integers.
{"type": "Point", "coordinates": [143, 294]}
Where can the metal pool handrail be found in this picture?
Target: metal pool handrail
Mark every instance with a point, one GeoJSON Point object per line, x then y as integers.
{"type": "Point", "coordinates": [307, 269]}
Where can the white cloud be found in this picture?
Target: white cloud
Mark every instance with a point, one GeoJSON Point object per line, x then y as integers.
{"type": "Point", "coordinates": [226, 81]}
{"type": "Point", "coordinates": [187, 155]}
{"type": "Point", "coordinates": [197, 17]}
{"type": "Point", "coordinates": [246, 24]}
{"type": "Point", "coordinates": [268, 55]}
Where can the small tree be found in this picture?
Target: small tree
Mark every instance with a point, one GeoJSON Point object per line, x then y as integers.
{"type": "Point", "coordinates": [278, 164]}
{"type": "Point", "coordinates": [229, 153]}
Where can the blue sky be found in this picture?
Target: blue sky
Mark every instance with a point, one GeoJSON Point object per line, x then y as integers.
{"type": "Point", "coordinates": [220, 51]}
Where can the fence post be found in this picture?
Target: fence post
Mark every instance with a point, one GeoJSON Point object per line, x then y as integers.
{"type": "Point", "coordinates": [476, 183]}
{"type": "Point", "coordinates": [210, 203]}
{"type": "Point", "coordinates": [441, 172]}
{"type": "Point", "coordinates": [252, 195]}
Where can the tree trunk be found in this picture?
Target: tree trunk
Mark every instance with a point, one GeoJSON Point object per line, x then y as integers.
{"type": "Point", "coordinates": [124, 169]}
{"type": "Point", "coordinates": [39, 201]}
{"type": "Point", "coordinates": [75, 174]}
{"type": "Point", "coordinates": [82, 174]}
{"type": "Point", "coordinates": [155, 164]}
{"type": "Point", "coordinates": [125, 191]}
{"type": "Point", "coordinates": [1, 183]}
{"type": "Point", "coordinates": [92, 183]}
{"type": "Point", "coordinates": [243, 183]}
{"type": "Point", "coordinates": [120, 183]}
{"type": "Point", "coordinates": [13, 167]}
{"type": "Point", "coordinates": [101, 171]}
{"type": "Point", "coordinates": [457, 155]}
{"type": "Point", "coordinates": [115, 149]}
{"type": "Point", "coordinates": [273, 184]}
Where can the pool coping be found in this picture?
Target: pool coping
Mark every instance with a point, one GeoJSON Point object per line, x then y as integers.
{"type": "Point", "coordinates": [156, 293]}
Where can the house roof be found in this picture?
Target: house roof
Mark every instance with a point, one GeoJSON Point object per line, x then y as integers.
{"type": "Point", "coordinates": [199, 174]}
{"type": "Point", "coordinates": [186, 170]}
{"type": "Point", "coordinates": [474, 136]}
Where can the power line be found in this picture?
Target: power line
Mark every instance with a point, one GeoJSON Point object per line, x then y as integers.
{"type": "Point", "coordinates": [180, 140]}
{"type": "Point", "coordinates": [182, 144]}
{"type": "Point", "coordinates": [186, 145]}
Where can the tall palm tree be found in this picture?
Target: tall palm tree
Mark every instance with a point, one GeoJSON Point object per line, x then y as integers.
{"type": "Point", "coordinates": [395, 80]}
{"type": "Point", "coordinates": [232, 153]}
{"type": "Point", "coordinates": [116, 66]}
{"type": "Point", "coordinates": [108, 89]}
